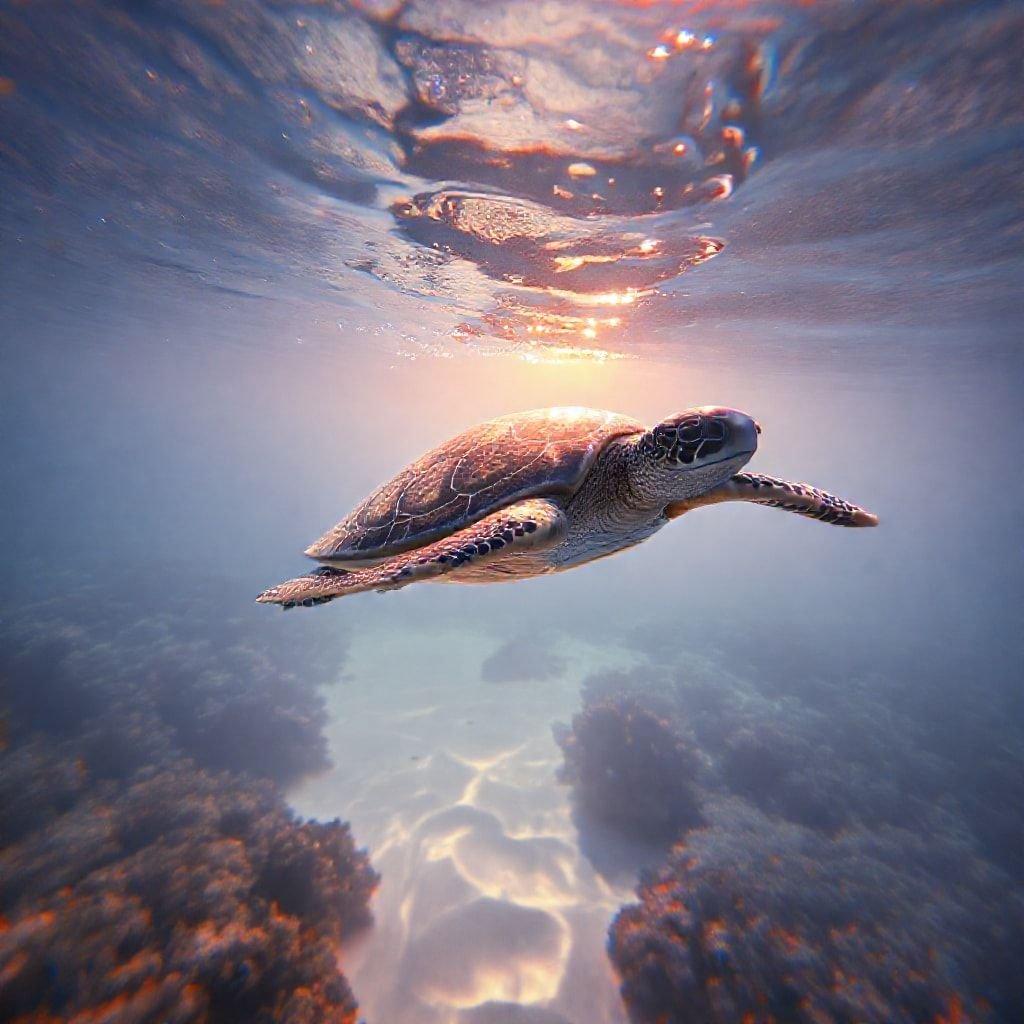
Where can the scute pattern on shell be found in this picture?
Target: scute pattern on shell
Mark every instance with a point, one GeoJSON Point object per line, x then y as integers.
{"type": "Point", "coordinates": [529, 454]}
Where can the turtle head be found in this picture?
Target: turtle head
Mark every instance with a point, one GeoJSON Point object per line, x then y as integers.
{"type": "Point", "coordinates": [694, 451]}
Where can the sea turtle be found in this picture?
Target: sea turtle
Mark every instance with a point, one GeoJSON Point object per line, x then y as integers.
{"type": "Point", "coordinates": [542, 491]}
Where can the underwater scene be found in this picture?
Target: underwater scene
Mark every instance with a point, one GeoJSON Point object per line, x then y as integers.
{"type": "Point", "coordinates": [695, 325]}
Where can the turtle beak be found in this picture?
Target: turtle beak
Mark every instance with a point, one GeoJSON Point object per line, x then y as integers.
{"type": "Point", "coordinates": [757, 426]}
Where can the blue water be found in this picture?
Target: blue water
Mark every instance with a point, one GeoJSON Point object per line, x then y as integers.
{"type": "Point", "coordinates": [256, 257]}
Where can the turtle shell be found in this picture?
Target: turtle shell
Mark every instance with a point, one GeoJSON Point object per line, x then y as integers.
{"type": "Point", "coordinates": [528, 454]}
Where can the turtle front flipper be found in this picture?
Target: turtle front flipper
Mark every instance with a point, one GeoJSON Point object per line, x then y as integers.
{"type": "Point", "coordinates": [530, 525]}
{"type": "Point", "coordinates": [785, 494]}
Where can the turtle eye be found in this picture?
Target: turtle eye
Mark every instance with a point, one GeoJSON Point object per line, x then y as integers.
{"type": "Point", "coordinates": [664, 437]}
{"type": "Point", "coordinates": [714, 430]}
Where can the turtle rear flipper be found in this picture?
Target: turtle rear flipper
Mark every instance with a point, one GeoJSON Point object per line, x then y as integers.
{"type": "Point", "coordinates": [803, 499]}
{"type": "Point", "coordinates": [525, 526]}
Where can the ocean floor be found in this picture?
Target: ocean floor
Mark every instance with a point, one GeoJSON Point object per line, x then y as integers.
{"type": "Point", "coordinates": [445, 765]}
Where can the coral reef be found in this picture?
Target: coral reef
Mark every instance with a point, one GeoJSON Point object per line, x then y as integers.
{"type": "Point", "coordinates": [149, 867]}
{"type": "Point", "coordinates": [143, 681]}
{"type": "Point", "coordinates": [861, 856]}
{"type": "Point", "coordinates": [763, 921]}
{"type": "Point", "coordinates": [630, 770]}
{"type": "Point", "coordinates": [181, 896]}
{"type": "Point", "coordinates": [836, 753]}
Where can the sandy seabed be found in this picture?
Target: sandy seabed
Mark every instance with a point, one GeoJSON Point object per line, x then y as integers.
{"type": "Point", "coordinates": [487, 910]}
